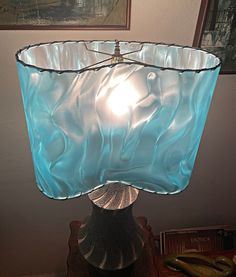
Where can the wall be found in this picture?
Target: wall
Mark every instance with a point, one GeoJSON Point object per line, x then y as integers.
{"type": "Point", "coordinates": [34, 230]}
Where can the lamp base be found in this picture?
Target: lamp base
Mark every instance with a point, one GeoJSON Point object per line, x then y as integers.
{"type": "Point", "coordinates": [145, 266]}
{"type": "Point", "coordinates": [111, 238]}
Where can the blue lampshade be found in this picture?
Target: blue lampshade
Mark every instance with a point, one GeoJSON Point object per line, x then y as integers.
{"type": "Point", "coordinates": [138, 121]}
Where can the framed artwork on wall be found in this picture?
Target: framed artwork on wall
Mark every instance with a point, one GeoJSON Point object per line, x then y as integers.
{"type": "Point", "coordinates": [65, 14]}
{"type": "Point", "coordinates": [216, 31]}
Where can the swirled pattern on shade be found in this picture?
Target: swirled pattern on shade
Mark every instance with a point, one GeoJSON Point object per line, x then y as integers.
{"type": "Point", "coordinates": [131, 123]}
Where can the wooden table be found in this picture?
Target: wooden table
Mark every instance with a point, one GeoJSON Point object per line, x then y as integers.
{"type": "Point", "coordinates": [150, 263]}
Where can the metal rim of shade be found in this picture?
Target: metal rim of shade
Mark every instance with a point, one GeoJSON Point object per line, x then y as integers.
{"type": "Point", "coordinates": [17, 55]}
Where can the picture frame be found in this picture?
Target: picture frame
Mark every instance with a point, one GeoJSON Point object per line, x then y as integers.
{"type": "Point", "coordinates": [216, 31]}
{"type": "Point", "coordinates": [65, 14]}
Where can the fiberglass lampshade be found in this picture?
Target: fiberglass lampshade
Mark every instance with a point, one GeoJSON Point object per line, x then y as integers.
{"type": "Point", "coordinates": [138, 122]}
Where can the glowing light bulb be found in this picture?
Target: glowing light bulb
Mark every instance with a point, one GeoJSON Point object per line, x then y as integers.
{"type": "Point", "coordinates": [122, 99]}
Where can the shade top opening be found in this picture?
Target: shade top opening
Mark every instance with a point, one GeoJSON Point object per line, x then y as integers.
{"type": "Point", "coordinates": [73, 56]}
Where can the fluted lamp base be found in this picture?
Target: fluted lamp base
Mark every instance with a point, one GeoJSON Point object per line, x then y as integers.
{"type": "Point", "coordinates": [111, 238]}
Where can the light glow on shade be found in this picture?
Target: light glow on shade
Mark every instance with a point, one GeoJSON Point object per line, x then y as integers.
{"type": "Point", "coordinates": [122, 99]}
{"type": "Point", "coordinates": [136, 124]}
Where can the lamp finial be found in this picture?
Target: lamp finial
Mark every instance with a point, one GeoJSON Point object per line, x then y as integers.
{"type": "Point", "coordinates": [117, 56]}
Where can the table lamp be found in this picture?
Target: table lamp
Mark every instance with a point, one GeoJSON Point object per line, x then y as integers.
{"type": "Point", "coordinates": [110, 118]}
